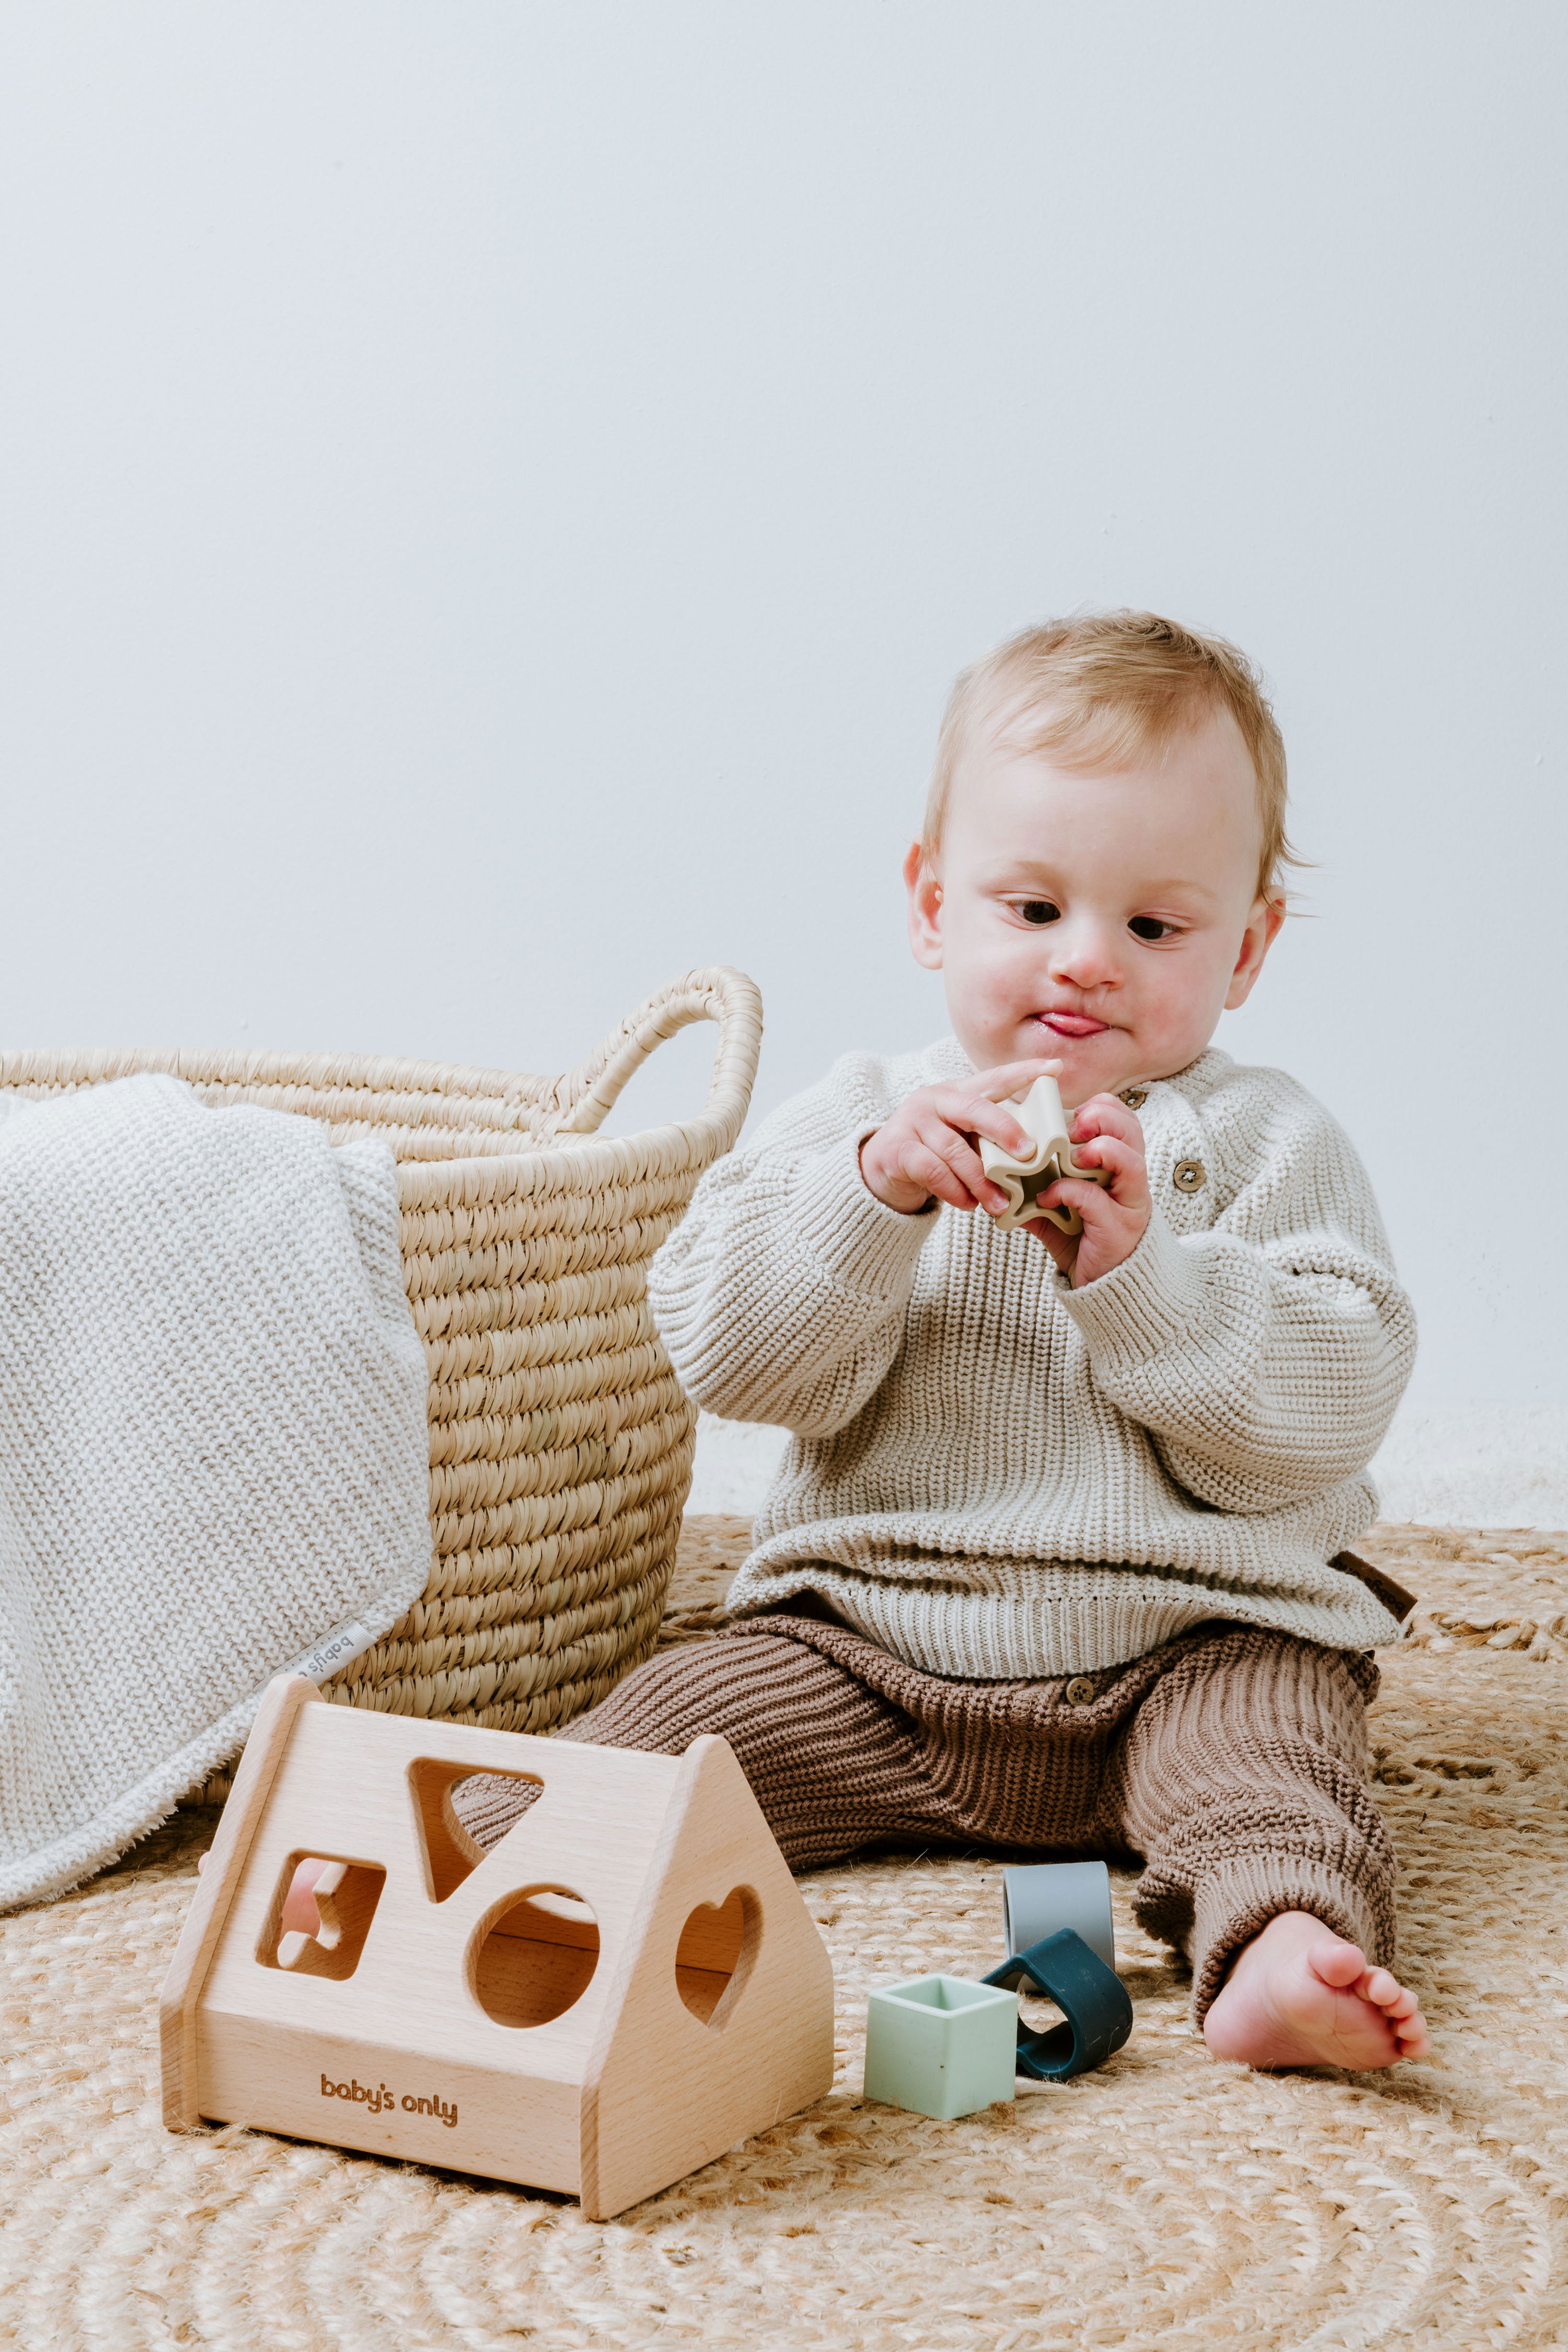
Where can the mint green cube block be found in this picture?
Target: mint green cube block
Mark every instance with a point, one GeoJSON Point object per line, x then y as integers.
{"type": "Point", "coordinates": [940, 2045]}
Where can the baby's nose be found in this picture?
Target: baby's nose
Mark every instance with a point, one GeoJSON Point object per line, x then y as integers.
{"type": "Point", "coordinates": [1084, 955]}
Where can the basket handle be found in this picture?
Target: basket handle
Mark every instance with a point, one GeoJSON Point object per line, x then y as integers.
{"type": "Point", "coordinates": [718, 992]}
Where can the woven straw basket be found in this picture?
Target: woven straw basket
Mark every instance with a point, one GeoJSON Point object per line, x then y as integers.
{"type": "Point", "coordinates": [560, 1439]}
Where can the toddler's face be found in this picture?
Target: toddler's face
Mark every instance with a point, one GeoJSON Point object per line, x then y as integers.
{"type": "Point", "coordinates": [1102, 919]}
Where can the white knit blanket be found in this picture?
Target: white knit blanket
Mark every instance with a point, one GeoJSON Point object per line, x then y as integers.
{"type": "Point", "coordinates": [212, 1447]}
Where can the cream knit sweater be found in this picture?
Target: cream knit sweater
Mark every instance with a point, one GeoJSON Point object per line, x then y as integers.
{"type": "Point", "coordinates": [995, 1476]}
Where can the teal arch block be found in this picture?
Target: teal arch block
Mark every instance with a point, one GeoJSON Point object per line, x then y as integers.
{"type": "Point", "coordinates": [941, 2046]}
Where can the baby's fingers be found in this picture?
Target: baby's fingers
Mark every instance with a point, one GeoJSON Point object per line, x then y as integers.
{"type": "Point", "coordinates": [1122, 1162]}
{"type": "Point", "coordinates": [1105, 1114]}
{"type": "Point", "coordinates": [947, 1165]}
{"type": "Point", "coordinates": [1015, 1078]}
{"type": "Point", "coordinates": [974, 1112]}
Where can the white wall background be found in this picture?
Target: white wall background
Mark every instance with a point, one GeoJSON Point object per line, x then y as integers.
{"type": "Point", "coordinates": [495, 493]}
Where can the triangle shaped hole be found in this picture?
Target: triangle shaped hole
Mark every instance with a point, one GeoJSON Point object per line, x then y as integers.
{"type": "Point", "coordinates": [451, 1851]}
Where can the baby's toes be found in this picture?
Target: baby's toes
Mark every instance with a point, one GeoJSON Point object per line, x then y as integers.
{"type": "Point", "coordinates": [1339, 1964]}
{"type": "Point", "coordinates": [1381, 1986]}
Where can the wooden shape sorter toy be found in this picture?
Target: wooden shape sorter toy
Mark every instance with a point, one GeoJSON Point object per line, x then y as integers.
{"type": "Point", "coordinates": [624, 1987]}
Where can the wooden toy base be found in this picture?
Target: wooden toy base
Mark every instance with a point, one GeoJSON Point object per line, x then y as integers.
{"type": "Point", "coordinates": [625, 1986]}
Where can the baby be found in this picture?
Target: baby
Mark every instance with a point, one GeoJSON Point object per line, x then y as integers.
{"type": "Point", "coordinates": [1049, 1566]}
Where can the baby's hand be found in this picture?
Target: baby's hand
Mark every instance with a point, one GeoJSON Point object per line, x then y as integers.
{"type": "Point", "coordinates": [1115, 1216]}
{"type": "Point", "coordinates": [927, 1146]}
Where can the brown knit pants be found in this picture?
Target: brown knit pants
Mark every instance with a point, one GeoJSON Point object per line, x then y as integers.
{"type": "Point", "coordinates": [1231, 1761]}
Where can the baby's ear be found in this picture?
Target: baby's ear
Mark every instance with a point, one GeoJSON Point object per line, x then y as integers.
{"type": "Point", "coordinates": [1262, 929]}
{"type": "Point", "coordinates": [924, 888]}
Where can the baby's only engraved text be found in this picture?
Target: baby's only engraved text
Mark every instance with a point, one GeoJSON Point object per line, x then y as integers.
{"type": "Point", "coordinates": [374, 2097]}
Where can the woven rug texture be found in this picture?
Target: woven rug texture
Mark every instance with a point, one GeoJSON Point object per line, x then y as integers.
{"type": "Point", "coordinates": [1164, 2202]}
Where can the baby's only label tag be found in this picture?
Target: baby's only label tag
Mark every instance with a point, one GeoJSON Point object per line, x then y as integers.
{"type": "Point", "coordinates": [334, 1652]}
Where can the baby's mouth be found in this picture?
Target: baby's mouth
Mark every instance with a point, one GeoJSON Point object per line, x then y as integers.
{"type": "Point", "coordinates": [1071, 1024]}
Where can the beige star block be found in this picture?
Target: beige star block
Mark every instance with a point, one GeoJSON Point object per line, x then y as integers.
{"type": "Point", "coordinates": [1047, 1123]}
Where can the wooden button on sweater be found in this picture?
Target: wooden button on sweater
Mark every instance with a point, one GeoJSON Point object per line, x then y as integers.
{"type": "Point", "coordinates": [1189, 1175]}
{"type": "Point", "coordinates": [1080, 1691]}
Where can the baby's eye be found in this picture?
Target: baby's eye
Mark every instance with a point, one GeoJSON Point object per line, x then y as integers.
{"type": "Point", "coordinates": [1039, 910]}
{"type": "Point", "coordinates": [1150, 926]}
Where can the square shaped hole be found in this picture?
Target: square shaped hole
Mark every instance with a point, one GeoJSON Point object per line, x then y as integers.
{"type": "Point", "coordinates": [342, 1896]}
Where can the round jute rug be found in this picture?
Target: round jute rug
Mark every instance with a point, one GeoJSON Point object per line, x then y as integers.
{"type": "Point", "coordinates": [1164, 2202]}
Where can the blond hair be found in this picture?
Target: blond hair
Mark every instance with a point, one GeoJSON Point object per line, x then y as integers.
{"type": "Point", "coordinates": [1104, 689]}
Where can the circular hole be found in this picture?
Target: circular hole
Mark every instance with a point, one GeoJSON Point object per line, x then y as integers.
{"type": "Point", "coordinates": [536, 1958]}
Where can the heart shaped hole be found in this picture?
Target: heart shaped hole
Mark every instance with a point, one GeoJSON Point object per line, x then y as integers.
{"type": "Point", "coordinates": [718, 1947]}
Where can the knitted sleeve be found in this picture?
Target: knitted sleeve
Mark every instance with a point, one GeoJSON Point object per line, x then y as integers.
{"type": "Point", "coordinates": [1264, 1356]}
{"type": "Point", "coordinates": [781, 1294]}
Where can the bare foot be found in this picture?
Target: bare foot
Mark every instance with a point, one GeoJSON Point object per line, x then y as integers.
{"type": "Point", "coordinates": [1299, 1995]}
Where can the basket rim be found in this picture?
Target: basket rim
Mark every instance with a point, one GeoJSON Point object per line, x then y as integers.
{"type": "Point", "coordinates": [574, 1103]}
